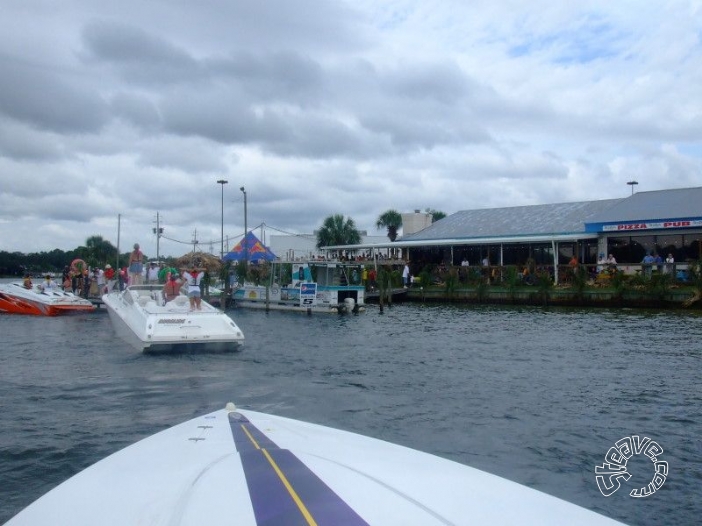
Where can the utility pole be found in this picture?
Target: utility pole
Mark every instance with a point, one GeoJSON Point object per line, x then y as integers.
{"type": "Point", "coordinates": [194, 240]}
{"type": "Point", "coordinates": [119, 225]}
{"type": "Point", "coordinates": [222, 182]}
{"type": "Point", "coordinates": [246, 229]}
{"type": "Point", "coordinates": [158, 231]}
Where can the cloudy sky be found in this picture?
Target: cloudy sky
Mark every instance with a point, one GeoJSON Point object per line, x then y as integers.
{"type": "Point", "coordinates": [328, 107]}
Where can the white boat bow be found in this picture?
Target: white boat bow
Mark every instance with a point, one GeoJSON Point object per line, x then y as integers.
{"type": "Point", "coordinates": [248, 468]}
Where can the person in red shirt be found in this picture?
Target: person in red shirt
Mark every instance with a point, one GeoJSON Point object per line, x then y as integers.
{"type": "Point", "coordinates": [109, 279]}
{"type": "Point", "coordinates": [371, 279]}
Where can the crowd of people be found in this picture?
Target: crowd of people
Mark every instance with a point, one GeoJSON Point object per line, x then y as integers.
{"type": "Point", "coordinates": [89, 282]}
{"type": "Point", "coordinates": [92, 282]}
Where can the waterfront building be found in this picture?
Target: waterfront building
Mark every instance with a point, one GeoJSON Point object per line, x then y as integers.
{"type": "Point", "coordinates": [662, 221]}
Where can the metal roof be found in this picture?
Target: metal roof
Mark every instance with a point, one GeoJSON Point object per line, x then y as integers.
{"type": "Point", "coordinates": [658, 204]}
{"type": "Point", "coordinates": [552, 220]}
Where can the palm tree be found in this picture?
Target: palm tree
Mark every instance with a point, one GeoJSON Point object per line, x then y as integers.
{"type": "Point", "coordinates": [435, 215]}
{"type": "Point", "coordinates": [392, 220]}
{"type": "Point", "coordinates": [338, 231]}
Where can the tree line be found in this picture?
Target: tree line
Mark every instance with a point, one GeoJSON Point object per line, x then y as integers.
{"type": "Point", "coordinates": [98, 252]}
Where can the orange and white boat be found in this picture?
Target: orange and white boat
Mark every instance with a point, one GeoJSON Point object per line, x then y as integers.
{"type": "Point", "coordinates": [15, 298]}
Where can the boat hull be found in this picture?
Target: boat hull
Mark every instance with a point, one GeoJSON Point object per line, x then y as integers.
{"type": "Point", "coordinates": [314, 286]}
{"type": "Point", "coordinates": [248, 468]}
{"type": "Point", "coordinates": [140, 317]}
{"type": "Point", "coordinates": [332, 300]}
{"type": "Point", "coordinates": [15, 299]}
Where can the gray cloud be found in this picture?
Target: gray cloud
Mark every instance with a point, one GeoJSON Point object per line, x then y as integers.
{"type": "Point", "coordinates": [331, 107]}
{"type": "Point", "coordinates": [138, 56]}
{"type": "Point", "coordinates": [51, 100]}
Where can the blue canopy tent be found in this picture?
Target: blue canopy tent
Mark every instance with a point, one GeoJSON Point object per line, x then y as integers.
{"type": "Point", "coordinates": [250, 247]}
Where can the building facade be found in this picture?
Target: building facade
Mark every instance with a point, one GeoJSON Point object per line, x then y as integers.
{"type": "Point", "coordinates": [664, 222]}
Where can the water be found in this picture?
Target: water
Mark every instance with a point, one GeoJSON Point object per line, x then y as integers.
{"type": "Point", "coordinates": [537, 396]}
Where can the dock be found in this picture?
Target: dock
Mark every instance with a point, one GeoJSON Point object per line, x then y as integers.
{"type": "Point", "coordinates": [396, 293]}
{"type": "Point", "coordinates": [99, 304]}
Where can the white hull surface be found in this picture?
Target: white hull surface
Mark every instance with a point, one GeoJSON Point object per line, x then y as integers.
{"type": "Point", "coordinates": [247, 468]}
{"type": "Point", "coordinates": [140, 317]}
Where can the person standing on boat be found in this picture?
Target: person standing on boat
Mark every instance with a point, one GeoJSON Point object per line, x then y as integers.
{"type": "Point", "coordinates": [205, 283]}
{"type": "Point", "coordinates": [123, 278]}
{"type": "Point", "coordinates": [136, 266]}
{"type": "Point", "coordinates": [67, 276]}
{"type": "Point", "coordinates": [193, 278]}
{"type": "Point", "coordinates": [171, 290]}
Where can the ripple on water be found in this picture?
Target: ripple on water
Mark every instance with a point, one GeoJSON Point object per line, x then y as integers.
{"type": "Point", "coordinates": [536, 395]}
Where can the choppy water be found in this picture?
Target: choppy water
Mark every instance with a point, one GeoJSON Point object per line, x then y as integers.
{"type": "Point", "coordinates": [537, 396]}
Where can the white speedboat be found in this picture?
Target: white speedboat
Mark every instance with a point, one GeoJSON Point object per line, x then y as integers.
{"type": "Point", "coordinates": [247, 468]}
{"type": "Point", "coordinates": [309, 286]}
{"type": "Point", "coordinates": [141, 317]}
{"type": "Point", "coordinates": [15, 298]}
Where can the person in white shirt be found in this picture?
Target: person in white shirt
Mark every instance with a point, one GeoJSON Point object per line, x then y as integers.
{"type": "Point", "coordinates": [101, 281]}
{"type": "Point", "coordinates": [48, 285]}
{"type": "Point", "coordinates": [193, 277]}
{"type": "Point", "coordinates": [152, 273]}
{"type": "Point", "coordinates": [612, 262]}
{"type": "Point", "coordinates": [601, 263]}
{"type": "Point", "coordinates": [669, 261]}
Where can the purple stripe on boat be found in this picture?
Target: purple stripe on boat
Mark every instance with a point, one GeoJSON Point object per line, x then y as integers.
{"type": "Point", "coordinates": [324, 505]}
{"type": "Point", "coordinates": [272, 503]}
{"type": "Point", "coordinates": [242, 440]}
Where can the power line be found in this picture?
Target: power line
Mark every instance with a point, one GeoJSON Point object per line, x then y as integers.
{"type": "Point", "coordinates": [182, 242]}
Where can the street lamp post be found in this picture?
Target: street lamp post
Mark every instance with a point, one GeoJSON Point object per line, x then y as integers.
{"type": "Point", "coordinates": [632, 184]}
{"type": "Point", "coordinates": [222, 182]}
{"type": "Point", "coordinates": [246, 229]}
